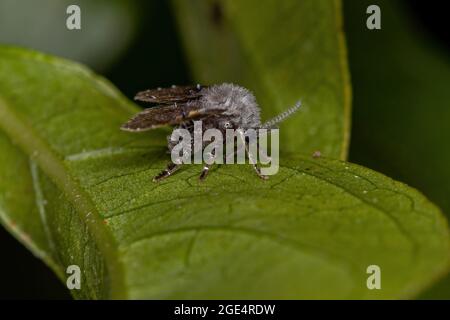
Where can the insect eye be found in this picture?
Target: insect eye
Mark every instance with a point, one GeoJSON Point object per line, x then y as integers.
{"type": "Point", "coordinates": [227, 125]}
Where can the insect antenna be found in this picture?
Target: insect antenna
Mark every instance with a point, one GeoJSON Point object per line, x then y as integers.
{"type": "Point", "coordinates": [281, 117]}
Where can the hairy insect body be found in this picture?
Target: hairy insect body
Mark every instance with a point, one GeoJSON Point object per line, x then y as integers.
{"type": "Point", "coordinates": [239, 106]}
{"type": "Point", "coordinates": [231, 106]}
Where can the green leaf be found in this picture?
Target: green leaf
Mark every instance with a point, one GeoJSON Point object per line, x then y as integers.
{"type": "Point", "coordinates": [401, 117]}
{"type": "Point", "coordinates": [284, 51]}
{"type": "Point", "coordinates": [77, 191]}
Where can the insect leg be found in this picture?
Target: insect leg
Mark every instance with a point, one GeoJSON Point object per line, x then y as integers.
{"type": "Point", "coordinates": [204, 172]}
{"type": "Point", "coordinates": [171, 168]}
{"type": "Point", "coordinates": [252, 160]}
{"type": "Point", "coordinates": [258, 172]}
{"type": "Point", "coordinates": [206, 167]}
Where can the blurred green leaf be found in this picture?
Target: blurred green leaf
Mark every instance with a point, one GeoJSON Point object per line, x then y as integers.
{"type": "Point", "coordinates": [107, 28]}
{"type": "Point", "coordinates": [284, 51]}
{"type": "Point", "coordinates": [76, 190]}
{"type": "Point", "coordinates": [401, 114]}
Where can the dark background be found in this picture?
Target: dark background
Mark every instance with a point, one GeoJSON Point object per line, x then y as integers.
{"type": "Point", "coordinates": [25, 277]}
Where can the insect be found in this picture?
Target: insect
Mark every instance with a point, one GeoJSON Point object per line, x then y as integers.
{"type": "Point", "coordinates": [222, 106]}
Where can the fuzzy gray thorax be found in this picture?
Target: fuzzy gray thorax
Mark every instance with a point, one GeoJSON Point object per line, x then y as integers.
{"type": "Point", "coordinates": [240, 104]}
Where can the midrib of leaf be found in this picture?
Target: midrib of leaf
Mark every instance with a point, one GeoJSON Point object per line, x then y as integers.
{"type": "Point", "coordinates": [345, 74]}
{"type": "Point", "coordinates": [52, 165]}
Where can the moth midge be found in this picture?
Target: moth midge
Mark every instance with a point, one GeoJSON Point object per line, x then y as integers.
{"type": "Point", "coordinates": [222, 106]}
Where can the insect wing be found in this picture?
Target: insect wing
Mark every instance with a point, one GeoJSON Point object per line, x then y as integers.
{"type": "Point", "coordinates": [170, 95]}
{"type": "Point", "coordinates": [160, 116]}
